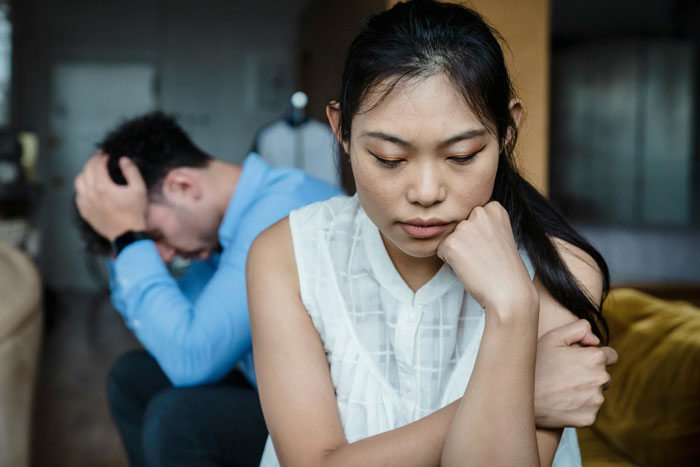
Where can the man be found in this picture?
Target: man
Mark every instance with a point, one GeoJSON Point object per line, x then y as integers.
{"type": "Point", "coordinates": [191, 398]}
{"type": "Point", "coordinates": [171, 199]}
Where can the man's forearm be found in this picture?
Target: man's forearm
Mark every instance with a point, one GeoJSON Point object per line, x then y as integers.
{"type": "Point", "coordinates": [194, 342]}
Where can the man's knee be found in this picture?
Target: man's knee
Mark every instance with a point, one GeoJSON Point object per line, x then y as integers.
{"type": "Point", "coordinates": [165, 426]}
{"type": "Point", "coordinates": [203, 426]}
{"type": "Point", "coordinates": [124, 375]}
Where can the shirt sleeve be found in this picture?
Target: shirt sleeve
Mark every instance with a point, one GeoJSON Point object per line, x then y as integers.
{"type": "Point", "coordinates": [191, 283]}
{"type": "Point", "coordinates": [194, 341]}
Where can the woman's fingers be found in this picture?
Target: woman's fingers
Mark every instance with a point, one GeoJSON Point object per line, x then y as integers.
{"type": "Point", "coordinates": [610, 355]}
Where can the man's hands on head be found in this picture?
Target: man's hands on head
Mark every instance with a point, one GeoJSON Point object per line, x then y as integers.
{"type": "Point", "coordinates": [111, 209]}
{"type": "Point", "coordinates": [570, 376]}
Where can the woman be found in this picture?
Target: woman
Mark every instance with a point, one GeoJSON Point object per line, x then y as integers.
{"type": "Point", "coordinates": [399, 326]}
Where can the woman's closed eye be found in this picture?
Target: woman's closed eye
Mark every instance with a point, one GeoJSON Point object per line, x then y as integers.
{"type": "Point", "coordinates": [394, 162]}
{"type": "Point", "coordinates": [386, 162]}
{"type": "Point", "coordinates": [464, 158]}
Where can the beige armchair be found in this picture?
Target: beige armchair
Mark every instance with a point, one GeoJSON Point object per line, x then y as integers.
{"type": "Point", "coordinates": [20, 335]}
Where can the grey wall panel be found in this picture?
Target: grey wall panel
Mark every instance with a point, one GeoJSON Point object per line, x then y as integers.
{"type": "Point", "coordinates": [651, 255]}
{"type": "Point", "coordinates": [622, 132]}
{"type": "Point", "coordinates": [667, 133]}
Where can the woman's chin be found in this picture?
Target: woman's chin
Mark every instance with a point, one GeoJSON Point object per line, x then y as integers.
{"type": "Point", "coordinates": [420, 248]}
{"type": "Point", "coordinates": [413, 247]}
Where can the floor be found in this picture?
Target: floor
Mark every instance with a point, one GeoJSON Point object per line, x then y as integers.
{"type": "Point", "coordinates": [72, 425]}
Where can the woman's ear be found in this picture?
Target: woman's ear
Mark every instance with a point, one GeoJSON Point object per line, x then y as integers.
{"type": "Point", "coordinates": [516, 110]}
{"type": "Point", "coordinates": [333, 114]}
{"type": "Point", "coordinates": [181, 184]}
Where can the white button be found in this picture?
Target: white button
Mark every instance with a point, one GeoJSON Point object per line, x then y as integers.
{"type": "Point", "coordinates": [412, 315]}
{"type": "Point", "coordinates": [408, 385]}
{"type": "Point", "coordinates": [136, 323]}
{"type": "Point", "coordinates": [124, 282]}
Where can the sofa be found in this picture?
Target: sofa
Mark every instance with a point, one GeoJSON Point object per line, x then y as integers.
{"type": "Point", "coordinates": [651, 415]}
{"type": "Point", "coordinates": [21, 321]}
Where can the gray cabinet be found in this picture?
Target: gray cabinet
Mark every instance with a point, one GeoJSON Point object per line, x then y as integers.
{"type": "Point", "coordinates": [622, 139]}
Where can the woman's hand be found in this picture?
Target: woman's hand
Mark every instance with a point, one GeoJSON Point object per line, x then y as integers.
{"type": "Point", "coordinates": [570, 376]}
{"type": "Point", "coordinates": [483, 254]}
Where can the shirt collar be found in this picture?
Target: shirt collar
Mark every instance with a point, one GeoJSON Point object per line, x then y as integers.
{"type": "Point", "coordinates": [251, 179]}
{"type": "Point", "coordinates": [389, 277]}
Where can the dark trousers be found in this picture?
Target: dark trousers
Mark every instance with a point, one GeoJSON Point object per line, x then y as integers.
{"type": "Point", "coordinates": [212, 425]}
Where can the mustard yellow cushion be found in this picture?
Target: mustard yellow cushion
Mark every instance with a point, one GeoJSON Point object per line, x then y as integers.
{"type": "Point", "coordinates": [595, 452]}
{"type": "Point", "coordinates": [652, 409]}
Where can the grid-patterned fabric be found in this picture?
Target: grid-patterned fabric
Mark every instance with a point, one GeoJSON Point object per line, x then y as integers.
{"type": "Point", "coordinates": [395, 356]}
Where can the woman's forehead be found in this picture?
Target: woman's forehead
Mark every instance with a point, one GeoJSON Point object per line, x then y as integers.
{"type": "Point", "coordinates": [420, 107]}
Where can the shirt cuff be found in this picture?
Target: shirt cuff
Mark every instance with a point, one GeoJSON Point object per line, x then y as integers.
{"type": "Point", "coordinates": [137, 262]}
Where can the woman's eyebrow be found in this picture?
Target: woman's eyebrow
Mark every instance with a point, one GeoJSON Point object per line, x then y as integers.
{"type": "Point", "coordinates": [386, 137]}
{"type": "Point", "coordinates": [463, 136]}
{"type": "Point", "coordinates": [449, 141]}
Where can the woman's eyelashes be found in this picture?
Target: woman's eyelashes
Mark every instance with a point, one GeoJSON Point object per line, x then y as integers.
{"type": "Point", "coordinates": [386, 162]}
{"type": "Point", "coordinates": [463, 159]}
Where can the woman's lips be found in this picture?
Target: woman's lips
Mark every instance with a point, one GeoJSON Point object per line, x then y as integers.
{"type": "Point", "coordinates": [424, 229]}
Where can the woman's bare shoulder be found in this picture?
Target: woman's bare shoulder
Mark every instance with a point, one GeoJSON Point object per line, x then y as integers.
{"type": "Point", "coordinates": [274, 233]}
{"type": "Point", "coordinates": [271, 256]}
{"type": "Point", "coordinates": [585, 272]}
{"type": "Point", "coordinates": [582, 266]}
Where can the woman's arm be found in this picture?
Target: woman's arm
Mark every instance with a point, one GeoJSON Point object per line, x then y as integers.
{"type": "Point", "coordinates": [553, 315]}
{"type": "Point", "coordinates": [495, 422]}
{"type": "Point", "coordinates": [592, 359]}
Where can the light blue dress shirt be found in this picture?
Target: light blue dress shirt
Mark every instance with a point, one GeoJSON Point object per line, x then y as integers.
{"type": "Point", "coordinates": [197, 327]}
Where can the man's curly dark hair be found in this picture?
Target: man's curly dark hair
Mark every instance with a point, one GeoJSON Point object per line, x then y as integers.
{"type": "Point", "coordinates": [157, 145]}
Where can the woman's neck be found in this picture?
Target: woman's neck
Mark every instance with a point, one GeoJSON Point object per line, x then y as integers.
{"type": "Point", "coordinates": [416, 272]}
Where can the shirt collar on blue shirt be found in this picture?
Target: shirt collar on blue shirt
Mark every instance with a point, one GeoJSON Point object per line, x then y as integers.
{"type": "Point", "coordinates": [251, 179]}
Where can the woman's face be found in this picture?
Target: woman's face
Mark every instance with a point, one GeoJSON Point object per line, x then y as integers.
{"type": "Point", "coordinates": [422, 161]}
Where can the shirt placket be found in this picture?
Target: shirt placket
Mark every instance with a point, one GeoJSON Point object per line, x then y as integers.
{"type": "Point", "coordinates": [405, 344]}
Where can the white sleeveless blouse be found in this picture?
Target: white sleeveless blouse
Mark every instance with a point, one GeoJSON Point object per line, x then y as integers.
{"type": "Point", "coordinates": [395, 356]}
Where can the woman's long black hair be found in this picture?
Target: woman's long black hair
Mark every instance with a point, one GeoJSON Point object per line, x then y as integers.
{"type": "Point", "coordinates": [419, 38]}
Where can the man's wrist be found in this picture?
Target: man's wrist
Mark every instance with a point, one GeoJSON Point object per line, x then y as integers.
{"type": "Point", "coordinates": [127, 238]}
{"type": "Point", "coordinates": [128, 225]}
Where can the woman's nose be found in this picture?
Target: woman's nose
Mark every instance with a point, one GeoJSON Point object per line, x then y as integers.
{"type": "Point", "coordinates": [426, 187]}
